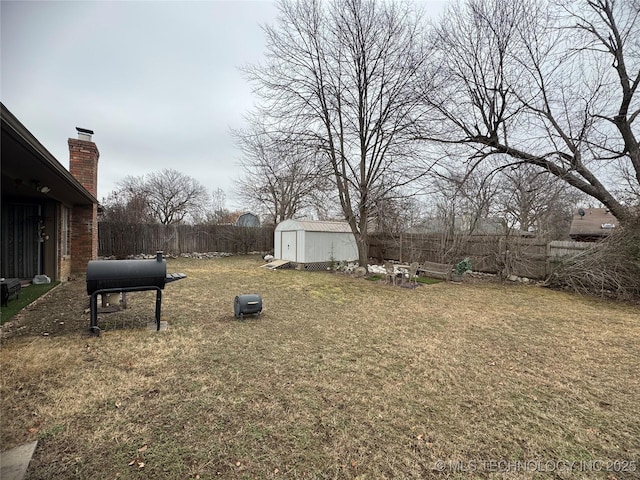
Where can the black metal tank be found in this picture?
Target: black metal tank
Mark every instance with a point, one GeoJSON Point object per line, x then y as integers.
{"type": "Point", "coordinates": [120, 276]}
{"type": "Point", "coordinates": [104, 274]}
{"type": "Point", "coordinates": [247, 305]}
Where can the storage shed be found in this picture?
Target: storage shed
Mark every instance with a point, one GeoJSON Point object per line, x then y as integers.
{"type": "Point", "coordinates": [312, 241]}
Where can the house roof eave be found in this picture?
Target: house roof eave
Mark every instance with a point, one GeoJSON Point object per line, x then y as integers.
{"type": "Point", "coordinates": [18, 141]}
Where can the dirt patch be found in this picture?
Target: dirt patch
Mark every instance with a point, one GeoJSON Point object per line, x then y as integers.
{"type": "Point", "coordinates": [64, 311]}
{"type": "Point", "coordinates": [58, 312]}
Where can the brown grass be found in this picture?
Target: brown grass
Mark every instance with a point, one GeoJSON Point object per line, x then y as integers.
{"type": "Point", "coordinates": [339, 378]}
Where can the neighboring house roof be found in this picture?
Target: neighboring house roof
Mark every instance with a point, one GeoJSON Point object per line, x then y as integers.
{"type": "Point", "coordinates": [315, 226]}
{"type": "Point", "coordinates": [594, 223]}
{"type": "Point", "coordinates": [248, 219]}
{"type": "Point", "coordinates": [26, 162]}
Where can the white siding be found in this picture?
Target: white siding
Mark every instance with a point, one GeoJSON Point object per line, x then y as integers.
{"type": "Point", "coordinates": [306, 241]}
{"type": "Point", "coordinates": [325, 246]}
{"type": "Point", "coordinates": [277, 244]}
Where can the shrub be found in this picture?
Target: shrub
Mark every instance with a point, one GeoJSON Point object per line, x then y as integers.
{"type": "Point", "coordinates": [462, 266]}
{"type": "Point", "coordinates": [610, 269]}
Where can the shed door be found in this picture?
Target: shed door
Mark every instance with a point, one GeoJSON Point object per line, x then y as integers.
{"type": "Point", "coordinates": [289, 246]}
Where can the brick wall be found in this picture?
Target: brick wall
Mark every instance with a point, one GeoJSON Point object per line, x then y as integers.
{"type": "Point", "coordinates": [84, 237]}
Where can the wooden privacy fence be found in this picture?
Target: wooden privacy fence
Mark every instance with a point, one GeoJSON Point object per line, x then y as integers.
{"type": "Point", "coordinates": [505, 255]}
{"type": "Point", "coordinates": [562, 249]}
{"type": "Point", "coordinates": [121, 240]}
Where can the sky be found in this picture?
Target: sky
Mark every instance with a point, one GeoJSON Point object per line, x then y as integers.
{"type": "Point", "coordinates": [159, 82]}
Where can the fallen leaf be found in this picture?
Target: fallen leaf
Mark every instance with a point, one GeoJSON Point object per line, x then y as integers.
{"type": "Point", "coordinates": [143, 448]}
{"type": "Point", "coordinates": [33, 430]}
{"type": "Point", "coordinates": [276, 471]}
{"type": "Point", "coordinates": [132, 462]}
{"type": "Point", "coordinates": [140, 464]}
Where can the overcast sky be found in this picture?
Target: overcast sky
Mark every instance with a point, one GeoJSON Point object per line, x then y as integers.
{"type": "Point", "coordinates": [158, 82]}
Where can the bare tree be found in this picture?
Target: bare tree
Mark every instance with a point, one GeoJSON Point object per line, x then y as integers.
{"type": "Point", "coordinates": [126, 208]}
{"type": "Point", "coordinates": [493, 199]}
{"type": "Point", "coordinates": [170, 196]}
{"type": "Point", "coordinates": [533, 200]}
{"type": "Point", "coordinates": [466, 201]}
{"type": "Point", "coordinates": [123, 213]}
{"type": "Point", "coordinates": [552, 86]}
{"type": "Point", "coordinates": [344, 72]}
{"type": "Point", "coordinates": [280, 178]}
{"type": "Point", "coordinates": [215, 211]}
{"type": "Point", "coordinates": [394, 216]}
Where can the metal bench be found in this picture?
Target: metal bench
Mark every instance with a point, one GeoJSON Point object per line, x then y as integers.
{"type": "Point", "coordinates": [9, 287]}
{"type": "Point", "coordinates": [436, 270]}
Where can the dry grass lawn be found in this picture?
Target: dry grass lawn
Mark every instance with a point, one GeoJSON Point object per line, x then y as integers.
{"type": "Point", "coordinates": [339, 378]}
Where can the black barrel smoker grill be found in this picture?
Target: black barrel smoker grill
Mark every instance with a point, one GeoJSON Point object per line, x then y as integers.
{"type": "Point", "coordinates": [119, 276]}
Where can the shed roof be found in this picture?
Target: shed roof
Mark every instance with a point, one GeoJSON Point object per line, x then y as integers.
{"type": "Point", "coordinates": [593, 223]}
{"type": "Point", "coordinates": [335, 226]}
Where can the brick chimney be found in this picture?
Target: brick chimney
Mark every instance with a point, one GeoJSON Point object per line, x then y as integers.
{"type": "Point", "coordinates": [83, 160]}
{"type": "Point", "coordinates": [83, 165]}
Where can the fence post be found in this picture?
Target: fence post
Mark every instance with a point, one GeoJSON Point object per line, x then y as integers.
{"type": "Point", "coordinates": [547, 260]}
{"type": "Point", "coordinates": [504, 254]}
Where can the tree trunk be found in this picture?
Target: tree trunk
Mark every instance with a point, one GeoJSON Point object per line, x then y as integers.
{"type": "Point", "coordinates": [362, 241]}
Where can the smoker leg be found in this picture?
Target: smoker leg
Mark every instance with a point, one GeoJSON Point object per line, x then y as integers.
{"type": "Point", "coordinates": [158, 308]}
{"type": "Point", "coordinates": [93, 308]}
